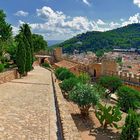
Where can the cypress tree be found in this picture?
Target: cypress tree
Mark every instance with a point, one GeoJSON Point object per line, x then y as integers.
{"type": "Point", "coordinates": [27, 33]}
{"type": "Point", "coordinates": [130, 130]}
{"type": "Point", "coordinates": [21, 57]}
{"type": "Point", "coordinates": [28, 65]}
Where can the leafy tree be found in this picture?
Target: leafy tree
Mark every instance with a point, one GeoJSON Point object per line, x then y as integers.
{"type": "Point", "coordinates": [68, 84]}
{"type": "Point", "coordinates": [108, 115]}
{"type": "Point", "coordinates": [110, 82]}
{"type": "Point", "coordinates": [5, 28]}
{"type": "Point", "coordinates": [84, 78]}
{"type": "Point", "coordinates": [39, 43]}
{"type": "Point", "coordinates": [21, 57]}
{"type": "Point", "coordinates": [5, 34]}
{"type": "Point", "coordinates": [63, 73]}
{"type": "Point", "coordinates": [84, 96]}
{"type": "Point", "coordinates": [128, 98]}
{"type": "Point", "coordinates": [130, 130]}
{"type": "Point", "coordinates": [99, 54]}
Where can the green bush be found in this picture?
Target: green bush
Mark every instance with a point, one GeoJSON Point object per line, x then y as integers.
{"type": "Point", "coordinates": [84, 96]}
{"type": "Point", "coordinates": [84, 78]}
{"type": "Point", "coordinates": [63, 73]}
{"type": "Point", "coordinates": [108, 115]}
{"type": "Point", "coordinates": [68, 84]}
{"type": "Point", "coordinates": [46, 65]}
{"type": "Point", "coordinates": [110, 82]}
{"type": "Point", "coordinates": [128, 98]}
{"type": "Point", "coordinates": [59, 70]}
{"type": "Point", "coordinates": [130, 130]}
{"type": "Point", "coordinates": [1, 67]}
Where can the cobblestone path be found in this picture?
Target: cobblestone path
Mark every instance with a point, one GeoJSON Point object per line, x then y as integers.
{"type": "Point", "coordinates": [27, 109]}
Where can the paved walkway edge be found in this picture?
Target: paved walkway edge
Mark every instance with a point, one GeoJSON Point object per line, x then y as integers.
{"type": "Point", "coordinates": [66, 125]}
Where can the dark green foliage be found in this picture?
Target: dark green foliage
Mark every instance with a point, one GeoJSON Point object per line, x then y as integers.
{"type": "Point", "coordinates": [128, 98]}
{"type": "Point", "coordinates": [101, 90]}
{"type": "Point", "coordinates": [130, 130]}
{"type": "Point", "coordinates": [63, 73]}
{"type": "Point", "coordinates": [110, 82]}
{"type": "Point", "coordinates": [84, 96]}
{"type": "Point", "coordinates": [46, 65]}
{"type": "Point", "coordinates": [39, 43]}
{"type": "Point", "coordinates": [59, 70]}
{"type": "Point", "coordinates": [99, 53]}
{"type": "Point", "coordinates": [21, 57]}
{"type": "Point", "coordinates": [26, 38]}
{"type": "Point", "coordinates": [119, 59]}
{"type": "Point", "coordinates": [1, 67]}
{"type": "Point", "coordinates": [84, 78]}
{"type": "Point", "coordinates": [25, 30]}
{"type": "Point", "coordinates": [108, 115]}
{"type": "Point", "coordinates": [28, 65]}
{"type": "Point", "coordinates": [5, 28]}
{"type": "Point", "coordinates": [68, 84]}
{"type": "Point", "coordinates": [125, 37]}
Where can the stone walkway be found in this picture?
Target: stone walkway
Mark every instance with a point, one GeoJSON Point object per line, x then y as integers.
{"type": "Point", "coordinates": [27, 109]}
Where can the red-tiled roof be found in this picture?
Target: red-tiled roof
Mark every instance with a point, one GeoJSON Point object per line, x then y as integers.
{"type": "Point", "coordinates": [66, 64]}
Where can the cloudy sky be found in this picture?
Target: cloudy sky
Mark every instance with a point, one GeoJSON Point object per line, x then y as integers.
{"type": "Point", "coordinates": [62, 19]}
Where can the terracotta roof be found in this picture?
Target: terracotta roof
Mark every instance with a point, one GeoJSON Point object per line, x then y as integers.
{"type": "Point", "coordinates": [66, 64]}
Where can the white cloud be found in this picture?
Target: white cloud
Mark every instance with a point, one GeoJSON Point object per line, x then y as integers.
{"type": "Point", "coordinates": [86, 2]}
{"type": "Point", "coordinates": [55, 25]}
{"type": "Point", "coordinates": [114, 25]}
{"type": "Point", "coordinates": [100, 22]}
{"type": "Point", "coordinates": [21, 13]}
{"type": "Point", "coordinates": [132, 19]}
{"type": "Point", "coordinates": [137, 2]}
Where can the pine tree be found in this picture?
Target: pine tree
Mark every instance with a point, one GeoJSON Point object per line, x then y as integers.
{"type": "Point", "coordinates": [21, 57]}
{"type": "Point", "coordinates": [130, 130]}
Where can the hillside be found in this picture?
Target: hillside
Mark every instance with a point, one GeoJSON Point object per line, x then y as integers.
{"type": "Point", "coordinates": [124, 37]}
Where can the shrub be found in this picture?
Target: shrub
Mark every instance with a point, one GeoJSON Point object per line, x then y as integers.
{"type": "Point", "coordinates": [128, 98]}
{"type": "Point", "coordinates": [84, 78]}
{"type": "Point", "coordinates": [1, 67]}
{"type": "Point", "coordinates": [110, 82]}
{"type": "Point", "coordinates": [6, 65]}
{"type": "Point", "coordinates": [46, 65]}
{"type": "Point", "coordinates": [68, 84]}
{"type": "Point", "coordinates": [59, 70]}
{"type": "Point", "coordinates": [84, 96]}
{"type": "Point", "coordinates": [108, 115]}
{"type": "Point", "coordinates": [130, 130]}
{"type": "Point", "coordinates": [63, 73]}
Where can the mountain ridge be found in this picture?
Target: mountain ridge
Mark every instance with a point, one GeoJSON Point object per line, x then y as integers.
{"type": "Point", "coordinates": [123, 37]}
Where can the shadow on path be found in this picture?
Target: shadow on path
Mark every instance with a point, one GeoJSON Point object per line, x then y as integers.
{"type": "Point", "coordinates": [29, 83]}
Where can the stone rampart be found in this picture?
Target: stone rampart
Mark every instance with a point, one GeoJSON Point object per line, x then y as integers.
{"type": "Point", "coordinates": [70, 131]}
{"type": "Point", "coordinates": [8, 76]}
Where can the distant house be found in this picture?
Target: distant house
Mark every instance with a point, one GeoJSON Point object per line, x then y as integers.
{"type": "Point", "coordinates": [131, 50]}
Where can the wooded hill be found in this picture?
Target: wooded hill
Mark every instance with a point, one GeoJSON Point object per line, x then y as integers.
{"type": "Point", "coordinates": [124, 37]}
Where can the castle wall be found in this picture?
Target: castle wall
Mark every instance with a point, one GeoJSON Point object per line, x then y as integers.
{"type": "Point", "coordinates": [58, 54]}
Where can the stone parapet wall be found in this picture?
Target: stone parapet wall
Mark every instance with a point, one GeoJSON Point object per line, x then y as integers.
{"type": "Point", "coordinates": [8, 76]}
{"type": "Point", "coordinates": [70, 131]}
